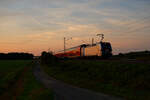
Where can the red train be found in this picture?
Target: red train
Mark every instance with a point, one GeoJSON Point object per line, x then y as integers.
{"type": "Point", "coordinates": [103, 49]}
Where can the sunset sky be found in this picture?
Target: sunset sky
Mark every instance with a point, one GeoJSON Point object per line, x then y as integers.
{"type": "Point", "coordinates": [37, 25]}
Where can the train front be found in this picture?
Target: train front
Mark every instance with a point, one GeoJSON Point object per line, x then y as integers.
{"type": "Point", "coordinates": [106, 49]}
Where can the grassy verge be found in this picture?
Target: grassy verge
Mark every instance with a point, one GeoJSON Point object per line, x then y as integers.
{"type": "Point", "coordinates": [18, 83]}
{"type": "Point", "coordinates": [129, 80]}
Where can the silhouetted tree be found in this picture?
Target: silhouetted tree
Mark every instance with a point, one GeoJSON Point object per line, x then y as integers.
{"type": "Point", "coordinates": [48, 58]}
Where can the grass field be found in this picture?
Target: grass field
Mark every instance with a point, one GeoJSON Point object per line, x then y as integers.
{"type": "Point", "coordinates": [129, 80]}
{"type": "Point", "coordinates": [18, 83]}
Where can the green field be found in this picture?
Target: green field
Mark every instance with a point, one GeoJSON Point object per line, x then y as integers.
{"type": "Point", "coordinates": [126, 79]}
{"type": "Point", "coordinates": [18, 83]}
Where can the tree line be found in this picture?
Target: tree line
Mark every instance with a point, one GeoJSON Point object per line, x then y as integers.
{"type": "Point", "coordinates": [135, 54]}
{"type": "Point", "coordinates": [16, 56]}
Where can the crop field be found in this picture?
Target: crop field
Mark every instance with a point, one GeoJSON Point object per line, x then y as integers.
{"type": "Point", "coordinates": [126, 79]}
{"type": "Point", "coordinates": [18, 83]}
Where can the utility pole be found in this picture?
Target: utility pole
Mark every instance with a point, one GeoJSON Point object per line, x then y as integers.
{"type": "Point", "coordinates": [92, 41]}
{"type": "Point", "coordinates": [65, 43]}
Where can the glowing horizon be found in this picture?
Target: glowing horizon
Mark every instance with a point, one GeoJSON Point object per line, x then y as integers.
{"type": "Point", "coordinates": [36, 25]}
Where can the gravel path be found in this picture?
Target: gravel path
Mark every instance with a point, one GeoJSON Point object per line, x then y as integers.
{"type": "Point", "coordinates": [67, 92]}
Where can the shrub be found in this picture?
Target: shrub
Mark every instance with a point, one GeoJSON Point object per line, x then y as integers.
{"type": "Point", "coordinates": [48, 58]}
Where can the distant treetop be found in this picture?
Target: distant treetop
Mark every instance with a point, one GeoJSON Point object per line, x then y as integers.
{"type": "Point", "coordinates": [16, 56]}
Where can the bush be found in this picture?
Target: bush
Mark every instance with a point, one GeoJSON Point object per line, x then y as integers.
{"type": "Point", "coordinates": [48, 58]}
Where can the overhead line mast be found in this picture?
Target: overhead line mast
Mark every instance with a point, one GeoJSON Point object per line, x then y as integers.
{"type": "Point", "coordinates": [65, 43]}
{"type": "Point", "coordinates": [101, 36]}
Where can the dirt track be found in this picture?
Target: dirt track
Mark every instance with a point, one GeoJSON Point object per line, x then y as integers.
{"type": "Point", "coordinates": [67, 92]}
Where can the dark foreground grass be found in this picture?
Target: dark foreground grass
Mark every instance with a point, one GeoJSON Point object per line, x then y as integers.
{"type": "Point", "coordinates": [18, 83]}
{"type": "Point", "coordinates": [129, 80]}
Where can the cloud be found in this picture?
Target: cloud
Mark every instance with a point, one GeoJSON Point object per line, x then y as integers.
{"type": "Point", "coordinates": [47, 21]}
{"type": "Point", "coordinates": [40, 36]}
